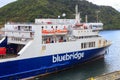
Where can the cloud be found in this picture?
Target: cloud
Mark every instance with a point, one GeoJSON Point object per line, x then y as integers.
{"type": "Point", "coordinates": [114, 3]}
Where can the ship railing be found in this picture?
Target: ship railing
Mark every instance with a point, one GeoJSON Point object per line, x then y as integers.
{"type": "Point", "coordinates": [109, 43]}
{"type": "Point", "coordinates": [17, 33]}
{"type": "Point", "coordinates": [18, 40]}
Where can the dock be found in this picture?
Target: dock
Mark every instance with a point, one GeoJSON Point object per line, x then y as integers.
{"type": "Point", "coordinates": [110, 76]}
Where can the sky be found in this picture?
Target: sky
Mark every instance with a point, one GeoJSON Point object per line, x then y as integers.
{"type": "Point", "coordinates": [4, 2]}
{"type": "Point", "coordinates": [114, 3]}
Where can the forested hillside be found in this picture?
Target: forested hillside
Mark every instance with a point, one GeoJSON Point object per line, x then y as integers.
{"type": "Point", "coordinates": [28, 10]}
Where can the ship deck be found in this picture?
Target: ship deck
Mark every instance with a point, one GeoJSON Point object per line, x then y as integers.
{"type": "Point", "coordinates": [7, 56]}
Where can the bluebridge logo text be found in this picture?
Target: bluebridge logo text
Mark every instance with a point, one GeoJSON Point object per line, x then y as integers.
{"type": "Point", "coordinates": [66, 57]}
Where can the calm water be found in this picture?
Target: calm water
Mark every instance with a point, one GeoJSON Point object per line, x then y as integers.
{"type": "Point", "coordinates": [110, 63]}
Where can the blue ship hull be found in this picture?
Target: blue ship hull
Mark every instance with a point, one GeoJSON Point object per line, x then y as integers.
{"type": "Point", "coordinates": [42, 65]}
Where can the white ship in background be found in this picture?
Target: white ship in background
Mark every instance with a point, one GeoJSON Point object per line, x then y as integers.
{"type": "Point", "coordinates": [48, 45]}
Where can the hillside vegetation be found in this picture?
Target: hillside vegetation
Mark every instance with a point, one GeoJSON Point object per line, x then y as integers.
{"type": "Point", "coordinates": [28, 10]}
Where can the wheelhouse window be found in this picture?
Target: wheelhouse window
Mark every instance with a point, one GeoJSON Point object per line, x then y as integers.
{"type": "Point", "coordinates": [87, 45]}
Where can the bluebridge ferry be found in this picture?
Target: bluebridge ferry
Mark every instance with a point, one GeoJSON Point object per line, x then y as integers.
{"type": "Point", "coordinates": [48, 45]}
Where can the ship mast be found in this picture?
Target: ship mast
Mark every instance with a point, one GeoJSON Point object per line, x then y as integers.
{"type": "Point", "coordinates": [77, 16]}
{"type": "Point", "coordinates": [86, 18]}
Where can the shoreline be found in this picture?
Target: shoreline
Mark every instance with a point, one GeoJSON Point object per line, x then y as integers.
{"type": "Point", "coordinates": [108, 76]}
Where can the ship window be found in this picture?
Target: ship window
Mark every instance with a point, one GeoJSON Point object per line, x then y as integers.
{"type": "Point", "coordinates": [87, 45]}
{"type": "Point", "coordinates": [42, 27]}
{"type": "Point", "coordinates": [30, 28]}
{"type": "Point", "coordinates": [18, 27]}
{"type": "Point", "coordinates": [82, 45]}
{"type": "Point", "coordinates": [56, 27]}
{"type": "Point", "coordinates": [61, 39]}
{"type": "Point", "coordinates": [94, 44]}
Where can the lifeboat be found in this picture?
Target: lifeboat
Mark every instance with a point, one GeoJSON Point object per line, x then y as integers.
{"type": "Point", "coordinates": [64, 30]}
{"type": "Point", "coordinates": [61, 31]}
{"type": "Point", "coordinates": [48, 31]}
{"type": "Point", "coordinates": [54, 31]}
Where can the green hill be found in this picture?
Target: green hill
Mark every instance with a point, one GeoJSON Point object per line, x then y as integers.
{"type": "Point", "coordinates": [28, 10]}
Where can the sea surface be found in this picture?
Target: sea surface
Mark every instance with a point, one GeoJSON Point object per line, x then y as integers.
{"type": "Point", "coordinates": [110, 63]}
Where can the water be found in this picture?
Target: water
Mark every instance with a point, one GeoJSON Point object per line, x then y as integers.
{"type": "Point", "coordinates": [110, 63]}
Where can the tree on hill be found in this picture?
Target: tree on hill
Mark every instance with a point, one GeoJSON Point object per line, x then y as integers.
{"type": "Point", "coordinates": [28, 10]}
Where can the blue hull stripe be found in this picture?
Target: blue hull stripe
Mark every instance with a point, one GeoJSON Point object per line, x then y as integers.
{"type": "Point", "coordinates": [4, 43]}
{"type": "Point", "coordinates": [41, 65]}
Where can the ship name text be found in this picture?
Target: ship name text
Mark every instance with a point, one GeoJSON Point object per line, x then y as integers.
{"type": "Point", "coordinates": [66, 57]}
